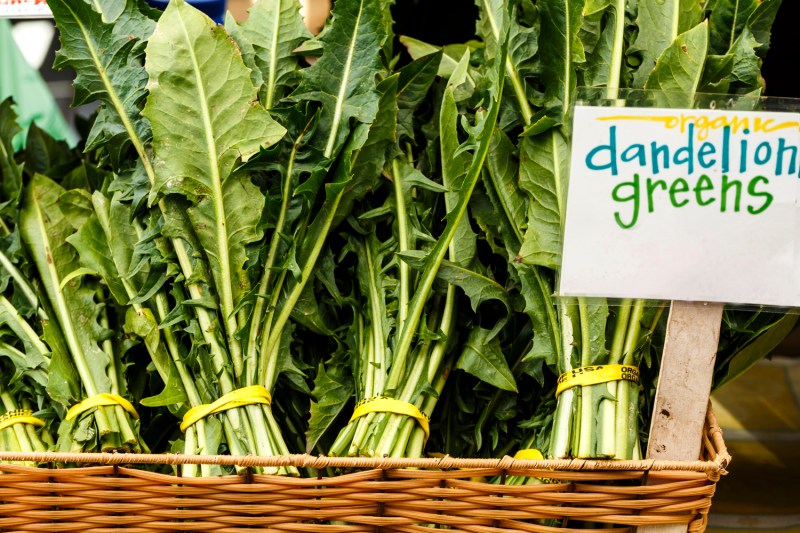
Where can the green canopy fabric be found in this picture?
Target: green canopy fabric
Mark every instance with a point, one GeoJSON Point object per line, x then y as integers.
{"type": "Point", "coordinates": [34, 102]}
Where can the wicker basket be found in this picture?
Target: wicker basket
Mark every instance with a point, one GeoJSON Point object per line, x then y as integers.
{"type": "Point", "coordinates": [375, 495]}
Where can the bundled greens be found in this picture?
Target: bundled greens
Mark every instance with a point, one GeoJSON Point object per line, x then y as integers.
{"type": "Point", "coordinates": [270, 242]}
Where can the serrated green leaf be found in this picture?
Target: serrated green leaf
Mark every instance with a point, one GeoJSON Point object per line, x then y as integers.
{"type": "Point", "coordinates": [560, 48]}
{"type": "Point", "coordinates": [660, 22]}
{"type": "Point", "coordinates": [451, 55]}
{"type": "Point", "coordinates": [333, 388]}
{"type": "Point", "coordinates": [727, 20]}
{"type": "Point", "coordinates": [537, 292]}
{"type": "Point", "coordinates": [597, 323]}
{"type": "Point", "coordinates": [143, 325]}
{"type": "Point", "coordinates": [45, 231]}
{"type": "Point", "coordinates": [223, 122]}
{"type": "Point", "coordinates": [522, 46]}
{"type": "Point", "coordinates": [46, 155]}
{"type": "Point", "coordinates": [676, 76]}
{"type": "Point", "coordinates": [748, 355]}
{"type": "Point", "coordinates": [343, 79]}
{"type": "Point", "coordinates": [760, 24]}
{"type": "Point", "coordinates": [372, 155]}
{"type": "Point", "coordinates": [454, 168]}
{"type": "Point", "coordinates": [412, 87]}
{"type": "Point", "coordinates": [543, 170]}
{"type": "Point", "coordinates": [483, 358]}
{"type": "Point", "coordinates": [509, 200]}
{"type": "Point", "coordinates": [274, 29]}
{"type": "Point", "coordinates": [107, 57]}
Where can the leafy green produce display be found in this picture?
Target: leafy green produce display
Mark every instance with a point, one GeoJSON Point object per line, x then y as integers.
{"type": "Point", "coordinates": [270, 242]}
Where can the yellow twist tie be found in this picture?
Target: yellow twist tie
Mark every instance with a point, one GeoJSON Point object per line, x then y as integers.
{"type": "Point", "coordinates": [238, 398]}
{"type": "Point", "coordinates": [592, 375]}
{"type": "Point", "coordinates": [529, 453]}
{"type": "Point", "coordinates": [99, 400]}
{"type": "Point", "coordinates": [383, 404]}
{"type": "Point", "coordinates": [21, 416]}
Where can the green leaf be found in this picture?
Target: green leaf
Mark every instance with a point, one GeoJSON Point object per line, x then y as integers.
{"type": "Point", "coordinates": [223, 122]}
{"type": "Point", "coordinates": [454, 168]}
{"type": "Point", "coordinates": [107, 57]}
{"type": "Point", "coordinates": [539, 307]}
{"type": "Point", "coordinates": [10, 171]}
{"type": "Point", "coordinates": [451, 54]}
{"type": "Point", "coordinates": [745, 56]}
{"type": "Point", "coordinates": [64, 383]}
{"type": "Point", "coordinates": [522, 45]}
{"type": "Point", "coordinates": [727, 21]}
{"type": "Point", "coordinates": [45, 231]}
{"type": "Point", "coordinates": [597, 323]}
{"type": "Point", "coordinates": [760, 24]}
{"type": "Point", "coordinates": [660, 22]}
{"type": "Point", "coordinates": [748, 355]}
{"type": "Point", "coordinates": [560, 48]}
{"type": "Point", "coordinates": [483, 358]}
{"type": "Point", "coordinates": [412, 87]}
{"type": "Point", "coordinates": [333, 389]}
{"type": "Point", "coordinates": [679, 68]}
{"type": "Point", "coordinates": [504, 190]}
{"type": "Point", "coordinates": [91, 243]}
{"type": "Point", "coordinates": [543, 173]}
{"type": "Point", "coordinates": [274, 29]}
{"type": "Point", "coordinates": [481, 135]}
{"type": "Point", "coordinates": [143, 324]}
{"type": "Point", "coordinates": [373, 154]}
{"type": "Point", "coordinates": [46, 155]}
{"type": "Point", "coordinates": [343, 79]}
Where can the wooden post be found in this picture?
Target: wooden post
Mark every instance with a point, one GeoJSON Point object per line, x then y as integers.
{"type": "Point", "coordinates": [684, 386]}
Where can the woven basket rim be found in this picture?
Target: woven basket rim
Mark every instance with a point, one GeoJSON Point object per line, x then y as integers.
{"type": "Point", "coordinates": [383, 463]}
{"type": "Point", "coordinates": [714, 449]}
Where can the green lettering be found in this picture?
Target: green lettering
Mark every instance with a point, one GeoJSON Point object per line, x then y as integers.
{"type": "Point", "coordinates": [678, 186]}
{"type": "Point", "coordinates": [704, 183]}
{"type": "Point", "coordinates": [651, 188]}
{"type": "Point", "coordinates": [767, 197]}
{"type": "Point", "coordinates": [727, 184]}
{"type": "Point", "coordinates": [616, 194]}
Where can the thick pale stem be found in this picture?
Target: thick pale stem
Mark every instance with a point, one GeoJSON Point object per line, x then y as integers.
{"type": "Point", "coordinates": [403, 244]}
{"type": "Point", "coordinates": [586, 437]}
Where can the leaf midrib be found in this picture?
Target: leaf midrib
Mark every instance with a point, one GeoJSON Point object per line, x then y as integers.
{"type": "Point", "coordinates": [138, 145]}
{"type": "Point", "coordinates": [273, 56]}
{"type": "Point", "coordinates": [498, 371]}
{"type": "Point", "coordinates": [337, 114]}
{"type": "Point", "coordinates": [78, 355]}
{"type": "Point", "coordinates": [216, 183]}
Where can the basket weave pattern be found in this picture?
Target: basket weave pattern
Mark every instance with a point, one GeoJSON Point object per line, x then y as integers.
{"type": "Point", "coordinates": [372, 495]}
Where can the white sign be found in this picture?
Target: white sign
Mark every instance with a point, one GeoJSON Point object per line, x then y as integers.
{"type": "Point", "coordinates": [18, 9]}
{"type": "Point", "coordinates": [696, 205]}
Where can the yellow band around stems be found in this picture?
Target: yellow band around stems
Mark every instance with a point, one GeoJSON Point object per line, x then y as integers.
{"type": "Point", "coordinates": [592, 375]}
{"type": "Point", "coordinates": [383, 404]}
{"type": "Point", "coordinates": [99, 400]}
{"type": "Point", "coordinates": [22, 416]}
{"type": "Point", "coordinates": [239, 398]}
